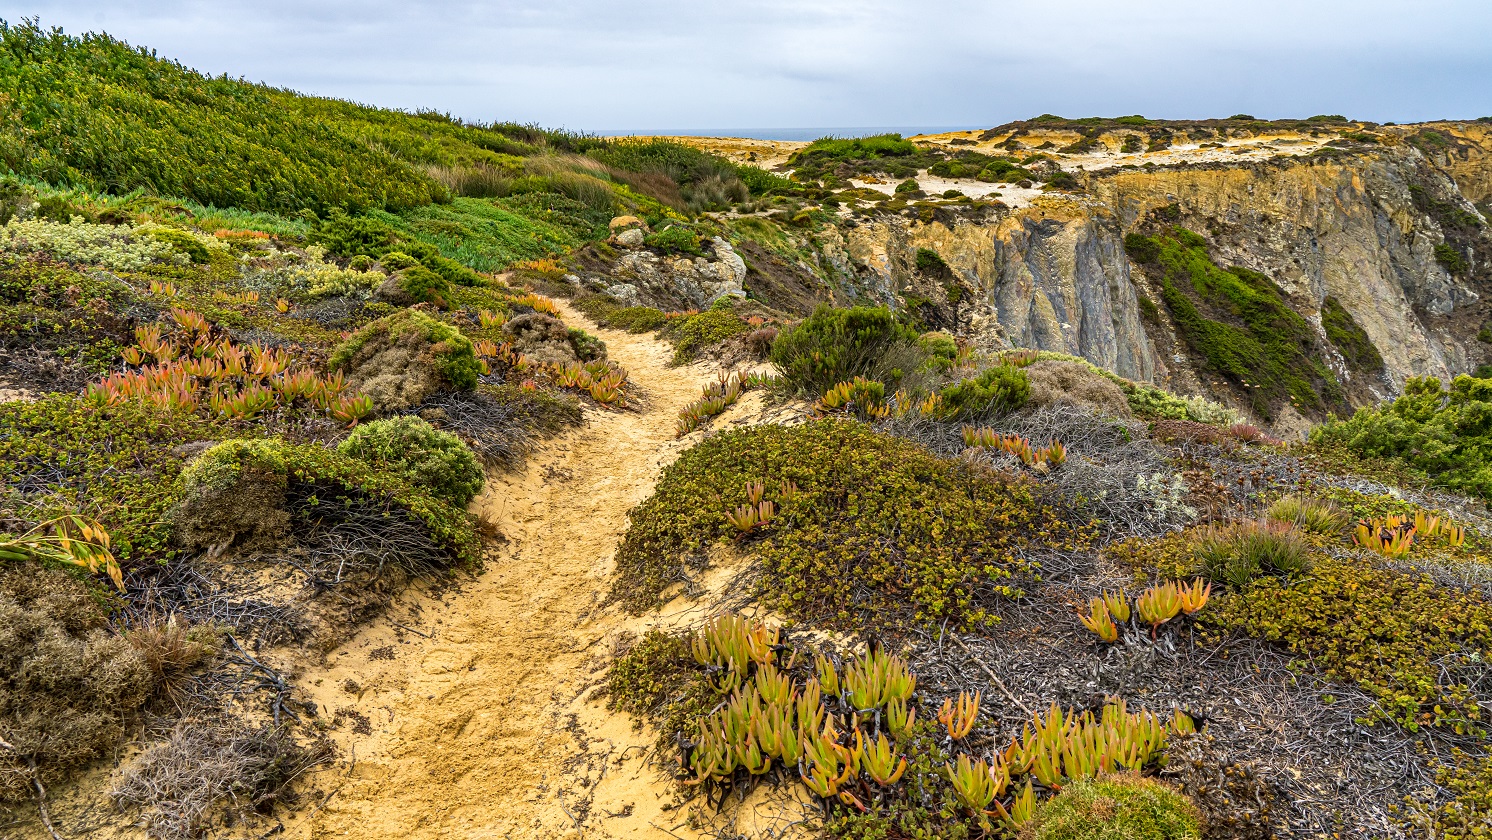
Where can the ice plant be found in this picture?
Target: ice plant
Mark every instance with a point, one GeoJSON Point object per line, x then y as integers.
{"type": "Point", "coordinates": [1158, 605]}
{"type": "Point", "coordinates": [1193, 596]}
{"type": "Point", "coordinates": [878, 760]}
{"type": "Point", "coordinates": [959, 718]}
{"type": "Point", "coordinates": [1100, 621]}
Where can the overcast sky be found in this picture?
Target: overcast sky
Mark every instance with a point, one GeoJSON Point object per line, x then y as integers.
{"type": "Point", "coordinates": [599, 65]}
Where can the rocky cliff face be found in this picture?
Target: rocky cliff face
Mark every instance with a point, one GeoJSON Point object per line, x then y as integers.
{"type": "Point", "coordinates": [1368, 225]}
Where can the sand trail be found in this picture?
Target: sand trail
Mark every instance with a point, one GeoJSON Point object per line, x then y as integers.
{"type": "Point", "coordinates": [478, 731]}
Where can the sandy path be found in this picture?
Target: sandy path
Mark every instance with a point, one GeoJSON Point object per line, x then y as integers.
{"type": "Point", "coordinates": [477, 732]}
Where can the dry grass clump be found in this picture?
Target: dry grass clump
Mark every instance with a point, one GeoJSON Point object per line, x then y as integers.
{"type": "Point", "coordinates": [67, 687]}
{"type": "Point", "coordinates": [213, 772]}
{"type": "Point", "coordinates": [171, 650]}
{"type": "Point", "coordinates": [1056, 382]}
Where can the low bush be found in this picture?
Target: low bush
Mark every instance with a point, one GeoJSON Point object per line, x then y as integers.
{"type": "Point", "coordinates": [1443, 433]}
{"type": "Point", "coordinates": [994, 391]}
{"type": "Point", "coordinates": [1056, 382]}
{"type": "Point", "coordinates": [404, 358]}
{"type": "Point", "coordinates": [1151, 403]}
{"type": "Point", "coordinates": [1450, 259]}
{"type": "Point", "coordinates": [67, 685]}
{"type": "Point", "coordinates": [694, 333]}
{"type": "Point", "coordinates": [608, 312]}
{"type": "Point", "coordinates": [237, 490]}
{"type": "Point", "coordinates": [116, 248]}
{"type": "Point", "coordinates": [856, 512]}
{"type": "Point", "coordinates": [1117, 807]}
{"type": "Point", "coordinates": [207, 772]}
{"type": "Point", "coordinates": [425, 456]}
{"type": "Point", "coordinates": [836, 345]}
{"type": "Point", "coordinates": [1410, 643]}
{"type": "Point", "coordinates": [674, 239]}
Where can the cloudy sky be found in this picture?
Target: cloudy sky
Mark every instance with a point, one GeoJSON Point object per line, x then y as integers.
{"type": "Point", "coordinates": [605, 65]}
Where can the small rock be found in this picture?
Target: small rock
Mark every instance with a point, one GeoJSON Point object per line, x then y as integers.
{"type": "Point", "coordinates": [630, 238]}
{"type": "Point", "coordinates": [625, 293]}
{"type": "Point", "coordinates": [623, 222]}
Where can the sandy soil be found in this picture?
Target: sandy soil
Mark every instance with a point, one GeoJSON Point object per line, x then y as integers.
{"type": "Point", "coordinates": [484, 729]}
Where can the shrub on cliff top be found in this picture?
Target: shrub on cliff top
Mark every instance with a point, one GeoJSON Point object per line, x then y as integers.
{"type": "Point", "coordinates": [877, 526]}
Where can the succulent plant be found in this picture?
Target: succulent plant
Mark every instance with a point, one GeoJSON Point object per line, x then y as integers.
{"type": "Point", "coordinates": [959, 717]}
{"type": "Point", "coordinates": [878, 759]}
{"type": "Point", "coordinates": [1100, 621]}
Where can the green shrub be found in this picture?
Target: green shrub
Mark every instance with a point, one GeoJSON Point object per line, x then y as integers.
{"type": "Point", "coordinates": [993, 392]}
{"type": "Point", "coordinates": [879, 527]}
{"type": "Point", "coordinates": [1117, 807]}
{"type": "Point", "coordinates": [422, 285]}
{"type": "Point", "coordinates": [1239, 324]}
{"type": "Point", "coordinates": [15, 198]}
{"type": "Point", "coordinates": [1399, 636]}
{"type": "Point", "coordinates": [1450, 258]}
{"type": "Point", "coordinates": [1446, 434]}
{"type": "Point", "coordinates": [183, 242]}
{"type": "Point", "coordinates": [397, 261]}
{"type": "Point", "coordinates": [694, 333]}
{"type": "Point", "coordinates": [674, 239]}
{"type": "Point", "coordinates": [836, 345]}
{"type": "Point", "coordinates": [334, 472]}
{"type": "Point", "coordinates": [1343, 331]}
{"type": "Point", "coordinates": [1155, 404]}
{"type": "Point", "coordinates": [929, 262]}
{"type": "Point", "coordinates": [425, 456]}
{"type": "Point", "coordinates": [910, 185]}
{"type": "Point", "coordinates": [587, 347]}
{"type": "Point", "coordinates": [453, 354]}
{"type": "Point", "coordinates": [608, 312]}
{"type": "Point", "coordinates": [941, 349]}
{"type": "Point", "coordinates": [659, 680]}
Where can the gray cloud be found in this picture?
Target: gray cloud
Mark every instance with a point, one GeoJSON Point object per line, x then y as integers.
{"type": "Point", "coordinates": [658, 64]}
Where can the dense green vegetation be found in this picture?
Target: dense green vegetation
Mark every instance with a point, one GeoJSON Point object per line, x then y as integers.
{"type": "Point", "coordinates": [835, 345]}
{"type": "Point", "coordinates": [1349, 337]}
{"type": "Point", "coordinates": [1239, 324]}
{"type": "Point", "coordinates": [1445, 433]}
{"type": "Point", "coordinates": [920, 537]}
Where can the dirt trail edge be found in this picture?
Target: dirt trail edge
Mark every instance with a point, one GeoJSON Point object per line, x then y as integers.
{"type": "Point", "coordinates": [480, 730]}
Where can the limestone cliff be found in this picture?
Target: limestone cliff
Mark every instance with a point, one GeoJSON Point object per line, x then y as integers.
{"type": "Point", "coordinates": [1367, 226]}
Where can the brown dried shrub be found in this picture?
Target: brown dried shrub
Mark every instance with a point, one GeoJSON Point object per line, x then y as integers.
{"type": "Point", "coordinates": [67, 686]}
{"type": "Point", "coordinates": [214, 772]}
{"type": "Point", "coordinates": [1054, 381]}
